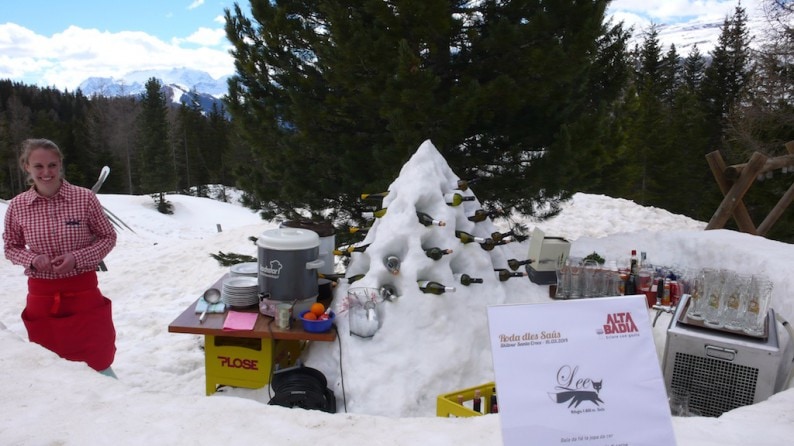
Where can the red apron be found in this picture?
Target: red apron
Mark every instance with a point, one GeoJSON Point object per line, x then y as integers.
{"type": "Point", "coordinates": [72, 318]}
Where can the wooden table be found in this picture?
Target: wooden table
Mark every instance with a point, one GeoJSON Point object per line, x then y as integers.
{"type": "Point", "coordinates": [244, 358]}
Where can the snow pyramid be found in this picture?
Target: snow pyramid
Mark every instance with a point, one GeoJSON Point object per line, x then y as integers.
{"type": "Point", "coordinates": [426, 371]}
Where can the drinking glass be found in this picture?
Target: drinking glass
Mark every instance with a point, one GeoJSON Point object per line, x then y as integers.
{"type": "Point", "coordinates": [697, 296]}
{"type": "Point", "coordinates": [757, 306]}
{"type": "Point", "coordinates": [734, 294]}
{"type": "Point", "coordinates": [711, 312]}
{"type": "Point", "coordinates": [589, 270]}
{"type": "Point", "coordinates": [563, 279]}
{"type": "Point", "coordinates": [575, 268]}
{"type": "Point", "coordinates": [644, 285]}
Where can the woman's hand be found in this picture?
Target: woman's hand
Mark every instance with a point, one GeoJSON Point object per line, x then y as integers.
{"type": "Point", "coordinates": [63, 263]}
{"type": "Point", "coordinates": [42, 263]}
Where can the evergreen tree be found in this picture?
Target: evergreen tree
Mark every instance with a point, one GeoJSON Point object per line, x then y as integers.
{"type": "Point", "coordinates": [334, 98]}
{"type": "Point", "coordinates": [156, 160]}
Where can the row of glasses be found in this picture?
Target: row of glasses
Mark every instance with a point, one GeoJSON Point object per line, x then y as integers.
{"type": "Point", "coordinates": [577, 278]}
{"type": "Point", "coordinates": [722, 298]}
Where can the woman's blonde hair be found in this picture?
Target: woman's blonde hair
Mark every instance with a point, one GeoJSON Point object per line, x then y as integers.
{"type": "Point", "coordinates": [32, 144]}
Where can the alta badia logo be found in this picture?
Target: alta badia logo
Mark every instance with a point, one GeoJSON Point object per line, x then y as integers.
{"type": "Point", "coordinates": [619, 324]}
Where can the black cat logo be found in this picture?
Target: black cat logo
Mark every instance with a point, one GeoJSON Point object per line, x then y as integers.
{"type": "Point", "coordinates": [576, 397]}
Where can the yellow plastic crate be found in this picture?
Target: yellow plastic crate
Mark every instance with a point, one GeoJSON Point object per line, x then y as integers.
{"type": "Point", "coordinates": [448, 405]}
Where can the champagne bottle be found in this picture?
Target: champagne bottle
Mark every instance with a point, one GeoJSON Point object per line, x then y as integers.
{"type": "Point", "coordinates": [388, 292]}
{"type": "Point", "coordinates": [428, 220]}
{"type": "Point", "coordinates": [498, 236]}
{"type": "Point", "coordinates": [515, 264]}
{"type": "Point", "coordinates": [347, 250]}
{"type": "Point", "coordinates": [464, 184]}
{"type": "Point", "coordinates": [489, 244]}
{"type": "Point", "coordinates": [465, 237]}
{"type": "Point", "coordinates": [504, 274]}
{"type": "Point", "coordinates": [392, 263]}
{"type": "Point", "coordinates": [456, 199]}
{"type": "Point", "coordinates": [338, 277]}
{"type": "Point", "coordinates": [431, 287]}
{"type": "Point", "coordinates": [358, 230]}
{"type": "Point", "coordinates": [375, 195]}
{"type": "Point", "coordinates": [436, 253]}
{"type": "Point", "coordinates": [467, 280]}
{"type": "Point", "coordinates": [377, 213]}
{"type": "Point", "coordinates": [479, 215]}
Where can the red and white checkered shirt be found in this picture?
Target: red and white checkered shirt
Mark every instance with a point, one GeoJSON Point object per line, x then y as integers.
{"type": "Point", "coordinates": [72, 220]}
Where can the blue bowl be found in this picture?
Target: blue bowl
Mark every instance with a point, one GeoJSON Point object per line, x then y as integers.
{"type": "Point", "coordinates": [315, 326]}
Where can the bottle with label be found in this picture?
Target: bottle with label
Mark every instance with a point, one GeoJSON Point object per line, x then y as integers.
{"type": "Point", "coordinates": [392, 264]}
{"type": "Point", "coordinates": [634, 264]}
{"type": "Point", "coordinates": [456, 199]}
{"type": "Point", "coordinates": [432, 287]}
{"type": "Point", "coordinates": [514, 264]}
{"type": "Point", "coordinates": [436, 253]}
{"type": "Point", "coordinates": [505, 275]}
{"type": "Point", "coordinates": [346, 251]}
{"type": "Point", "coordinates": [358, 230]}
{"type": "Point", "coordinates": [427, 220]}
{"type": "Point", "coordinates": [375, 195]}
{"type": "Point", "coordinates": [465, 237]}
{"type": "Point", "coordinates": [467, 280]}
{"type": "Point", "coordinates": [498, 236]}
{"type": "Point", "coordinates": [377, 213]}
{"type": "Point", "coordinates": [666, 292]}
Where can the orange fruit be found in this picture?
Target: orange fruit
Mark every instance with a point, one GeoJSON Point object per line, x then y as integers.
{"type": "Point", "coordinates": [317, 309]}
{"type": "Point", "coordinates": [309, 316]}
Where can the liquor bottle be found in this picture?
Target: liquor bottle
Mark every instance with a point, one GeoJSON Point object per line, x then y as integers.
{"type": "Point", "coordinates": [338, 277]}
{"type": "Point", "coordinates": [476, 403]}
{"type": "Point", "coordinates": [436, 253]}
{"type": "Point", "coordinates": [515, 264]}
{"type": "Point", "coordinates": [465, 237]}
{"type": "Point", "coordinates": [455, 199]}
{"type": "Point", "coordinates": [494, 403]}
{"type": "Point", "coordinates": [428, 220]}
{"type": "Point", "coordinates": [634, 264]}
{"type": "Point", "coordinates": [666, 292]}
{"type": "Point", "coordinates": [630, 286]}
{"type": "Point", "coordinates": [431, 287]}
{"type": "Point", "coordinates": [464, 184]}
{"type": "Point", "coordinates": [375, 195]}
{"type": "Point", "coordinates": [392, 263]}
{"type": "Point", "coordinates": [504, 274]}
{"type": "Point", "coordinates": [659, 290]}
{"type": "Point", "coordinates": [467, 280]}
{"type": "Point", "coordinates": [347, 250]}
{"type": "Point", "coordinates": [377, 213]}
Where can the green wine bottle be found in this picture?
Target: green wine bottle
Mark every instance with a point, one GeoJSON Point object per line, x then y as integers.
{"type": "Point", "coordinates": [358, 230]}
{"type": "Point", "coordinates": [428, 220]}
{"type": "Point", "coordinates": [504, 274]}
{"type": "Point", "coordinates": [337, 277]}
{"type": "Point", "coordinates": [436, 253]}
{"type": "Point", "coordinates": [377, 213]}
{"type": "Point", "coordinates": [431, 287]}
{"type": "Point", "coordinates": [465, 237]}
{"type": "Point", "coordinates": [467, 280]}
{"type": "Point", "coordinates": [464, 184]}
{"type": "Point", "coordinates": [347, 250]}
{"type": "Point", "coordinates": [515, 264]}
{"type": "Point", "coordinates": [456, 199]}
{"type": "Point", "coordinates": [498, 236]}
{"type": "Point", "coordinates": [375, 195]}
{"type": "Point", "coordinates": [479, 215]}
{"type": "Point", "coordinates": [392, 263]}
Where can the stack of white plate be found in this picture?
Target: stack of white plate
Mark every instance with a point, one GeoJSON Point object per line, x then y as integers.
{"type": "Point", "coordinates": [247, 269]}
{"type": "Point", "coordinates": [240, 291]}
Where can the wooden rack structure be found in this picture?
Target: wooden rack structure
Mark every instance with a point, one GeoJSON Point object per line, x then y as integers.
{"type": "Point", "coordinates": [734, 182]}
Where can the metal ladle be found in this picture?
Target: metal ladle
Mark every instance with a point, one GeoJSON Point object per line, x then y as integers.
{"type": "Point", "coordinates": [212, 296]}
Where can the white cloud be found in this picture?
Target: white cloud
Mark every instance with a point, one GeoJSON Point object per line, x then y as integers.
{"type": "Point", "coordinates": [672, 11]}
{"type": "Point", "coordinates": [195, 4]}
{"type": "Point", "coordinates": [66, 59]}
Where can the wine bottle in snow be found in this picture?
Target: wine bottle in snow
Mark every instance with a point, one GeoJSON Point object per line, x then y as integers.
{"type": "Point", "coordinates": [464, 184]}
{"type": "Point", "coordinates": [480, 215]}
{"type": "Point", "coordinates": [465, 237]}
{"type": "Point", "coordinates": [375, 195]}
{"type": "Point", "coordinates": [498, 236]}
{"type": "Point", "coordinates": [505, 275]}
{"type": "Point", "coordinates": [427, 220]}
{"type": "Point", "coordinates": [347, 250]}
{"type": "Point", "coordinates": [392, 263]}
{"type": "Point", "coordinates": [431, 287]}
{"type": "Point", "coordinates": [337, 277]}
{"type": "Point", "coordinates": [456, 199]}
{"type": "Point", "coordinates": [388, 292]}
{"type": "Point", "coordinates": [467, 280]}
{"type": "Point", "coordinates": [436, 253]}
{"type": "Point", "coordinates": [358, 230]}
{"type": "Point", "coordinates": [515, 264]}
{"type": "Point", "coordinates": [377, 213]}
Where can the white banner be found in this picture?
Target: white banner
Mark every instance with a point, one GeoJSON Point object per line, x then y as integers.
{"type": "Point", "coordinates": [582, 372]}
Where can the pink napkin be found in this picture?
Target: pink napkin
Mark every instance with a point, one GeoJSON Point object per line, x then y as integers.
{"type": "Point", "coordinates": [236, 320]}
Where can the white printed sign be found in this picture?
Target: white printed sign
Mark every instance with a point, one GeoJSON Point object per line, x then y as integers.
{"type": "Point", "coordinates": [582, 372]}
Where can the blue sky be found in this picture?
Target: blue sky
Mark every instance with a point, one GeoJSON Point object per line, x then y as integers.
{"type": "Point", "coordinates": [59, 43]}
